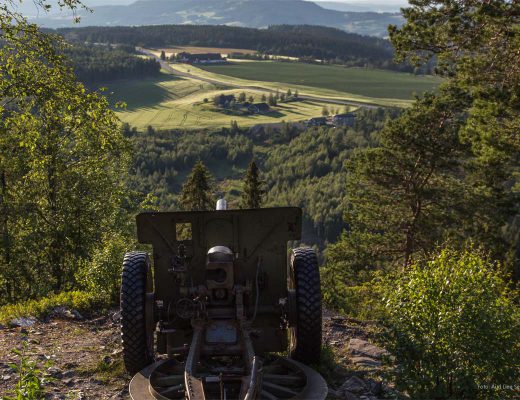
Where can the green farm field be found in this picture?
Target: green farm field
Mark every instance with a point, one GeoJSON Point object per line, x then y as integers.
{"type": "Point", "coordinates": [358, 81]}
{"type": "Point", "coordinates": [171, 102]}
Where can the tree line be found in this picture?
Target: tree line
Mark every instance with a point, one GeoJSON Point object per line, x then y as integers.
{"type": "Point", "coordinates": [104, 63]}
{"type": "Point", "coordinates": [303, 41]}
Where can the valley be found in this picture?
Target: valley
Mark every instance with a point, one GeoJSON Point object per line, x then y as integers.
{"type": "Point", "coordinates": [171, 102]}
{"type": "Point", "coordinates": [181, 98]}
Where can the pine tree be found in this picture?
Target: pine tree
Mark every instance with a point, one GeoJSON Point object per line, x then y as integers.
{"type": "Point", "coordinates": [163, 55]}
{"type": "Point", "coordinates": [289, 93]}
{"type": "Point", "coordinates": [251, 99]}
{"type": "Point", "coordinates": [406, 196]}
{"type": "Point", "coordinates": [264, 99]}
{"type": "Point", "coordinates": [253, 189]}
{"type": "Point", "coordinates": [242, 97]}
{"type": "Point", "coordinates": [197, 194]}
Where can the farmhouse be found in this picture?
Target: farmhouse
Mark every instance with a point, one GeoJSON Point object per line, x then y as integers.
{"type": "Point", "coordinates": [206, 58]}
{"type": "Point", "coordinates": [346, 119]}
{"type": "Point", "coordinates": [259, 108]}
{"type": "Point", "coordinates": [319, 121]}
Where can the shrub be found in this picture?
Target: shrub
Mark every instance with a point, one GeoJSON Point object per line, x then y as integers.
{"type": "Point", "coordinates": [102, 275]}
{"type": "Point", "coordinates": [355, 293]}
{"type": "Point", "coordinates": [81, 301]}
{"type": "Point", "coordinates": [31, 377]}
{"type": "Point", "coordinates": [453, 328]}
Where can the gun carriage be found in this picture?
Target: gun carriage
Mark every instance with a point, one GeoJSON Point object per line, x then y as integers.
{"type": "Point", "coordinates": [224, 298]}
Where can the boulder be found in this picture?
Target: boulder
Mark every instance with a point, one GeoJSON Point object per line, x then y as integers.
{"type": "Point", "coordinates": [360, 347]}
{"type": "Point", "coordinates": [23, 322]}
{"type": "Point", "coordinates": [354, 385]}
{"type": "Point", "coordinates": [365, 362]}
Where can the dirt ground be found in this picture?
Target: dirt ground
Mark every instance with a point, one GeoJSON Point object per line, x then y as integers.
{"type": "Point", "coordinates": [84, 357]}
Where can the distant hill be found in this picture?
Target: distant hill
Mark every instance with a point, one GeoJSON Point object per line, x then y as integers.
{"type": "Point", "coordinates": [348, 6]}
{"type": "Point", "coordinates": [302, 41]}
{"type": "Point", "coordinates": [248, 13]}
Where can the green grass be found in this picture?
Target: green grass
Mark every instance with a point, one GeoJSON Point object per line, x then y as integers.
{"type": "Point", "coordinates": [170, 102]}
{"type": "Point", "coordinates": [358, 81]}
{"type": "Point", "coordinates": [81, 301]}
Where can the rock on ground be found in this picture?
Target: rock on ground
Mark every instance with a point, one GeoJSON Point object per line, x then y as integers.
{"type": "Point", "coordinates": [83, 357]}
{"type": "Point", "coordinates": [358, 375]}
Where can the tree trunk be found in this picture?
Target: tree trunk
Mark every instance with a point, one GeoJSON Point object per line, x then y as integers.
{"type": "Point", "coordinates": [54, 249]}
{"type": "Point", "coordinates": [4, 227]}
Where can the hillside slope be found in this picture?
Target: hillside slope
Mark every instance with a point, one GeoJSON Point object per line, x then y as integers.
{"type": "Point", "coordinates": [249, 13]}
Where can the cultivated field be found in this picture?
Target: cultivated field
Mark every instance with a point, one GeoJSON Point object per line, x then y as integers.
{"type": "Point", "coordinates": [313, 91]}
{"type": "Point", "coordinates": [178, 103]}
{"type": "Point", "coordinates": [185, 102]}
{"type": "Point", "coordinates": [373, 83]}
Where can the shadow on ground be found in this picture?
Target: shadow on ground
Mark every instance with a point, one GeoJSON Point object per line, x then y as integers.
{"type": "Point", "coordinates": [139, 93]}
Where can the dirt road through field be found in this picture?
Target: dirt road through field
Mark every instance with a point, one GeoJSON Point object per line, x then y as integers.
{"type": "Point", "coordinates": [167, 67]}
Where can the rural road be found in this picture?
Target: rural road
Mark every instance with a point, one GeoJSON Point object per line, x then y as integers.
{"type": "Point", "coordinates": [167, 67]}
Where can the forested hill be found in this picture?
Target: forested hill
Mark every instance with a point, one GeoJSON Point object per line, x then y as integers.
{"type": "Point", "coordinates": [301, 168]}
{"type": "Point", "coordinates": [303, 41]}
{"type": "Point", "coordinates": [248, 13]}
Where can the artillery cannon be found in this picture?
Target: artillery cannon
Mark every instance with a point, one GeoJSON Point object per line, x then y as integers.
{"type": "Point", "coordinates": [224, 298]}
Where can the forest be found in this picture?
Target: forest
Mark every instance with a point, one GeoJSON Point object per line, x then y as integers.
{"type": "Point", "coordinates": [301, 168]}
{"type": "Point", "coordinates": [302, 41]}
{"type": "Point", "coordinates": [103, 63]}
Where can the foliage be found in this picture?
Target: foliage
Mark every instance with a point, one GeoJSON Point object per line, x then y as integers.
{"type": "Point", "coordinates": [102, 273]}
{"type": "Point", "coordinates": [253, 188]}
{"type": "Point", "coordinates": [31, 377]}
{"type": "Point", "coordinates": [351, 294]}
{"type": "Point", "coordinates": [77, 300]}
{"type": "Point", "coordinates": [481, 58]}
{"type": "Point", "coordinates": [404, 195]}
{"type": "Point", "coordinates": [308, 171]}
{"type": "Point", "coordinates": [454, 328]}
{"type": "Point", "coordinates": [62, 160]}
{"type": "Point", "coordinates": [197, 193]}
{"type": "Point", "coordinates": [414, 191]}
{"type": "Point", "coordinates": [301, 168]}
{"type": "Point", "coordinates": [97, 63]}
{"type": "Point", "coordinates": [163, 159]}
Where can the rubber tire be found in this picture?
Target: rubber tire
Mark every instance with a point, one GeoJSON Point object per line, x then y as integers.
{"type": "Point", "coordinates": [306, 335]}
{"type": "Point", "coordinates": [136, 282]}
